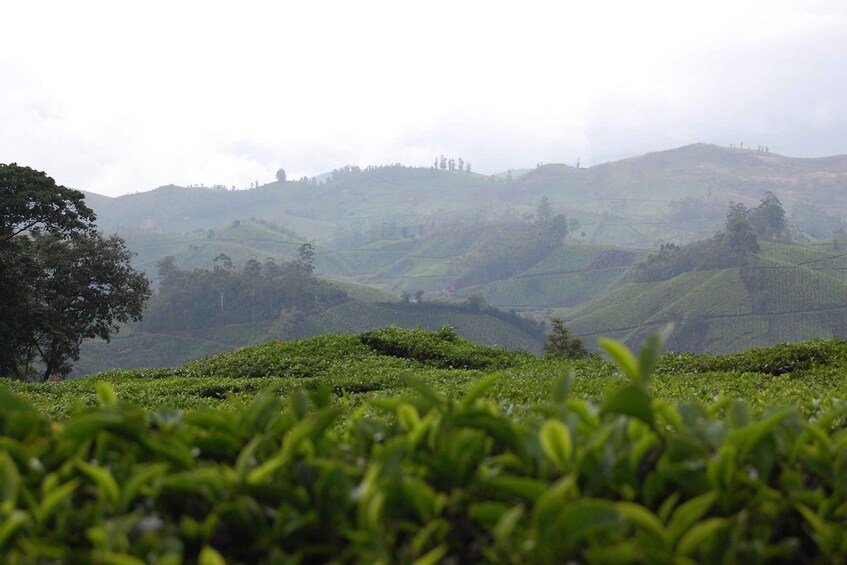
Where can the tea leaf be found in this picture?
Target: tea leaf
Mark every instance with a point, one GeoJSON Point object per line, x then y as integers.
{"type": "Point", "coordinates": [631, 400]}
{"type": "Point", "coordinates": [556, 442]}
{"type": "Point", "coordinates": [623, 357]}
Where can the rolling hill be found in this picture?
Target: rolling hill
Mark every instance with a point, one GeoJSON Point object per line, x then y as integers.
{"type": "Point", "coordinates": [679, 193]}
{"type": "Point", "coordinates": [385, 231]}
{"type": "Point", "coordinates": [789, 293]}
{"type": "Point", "coordinates": [133, 348]}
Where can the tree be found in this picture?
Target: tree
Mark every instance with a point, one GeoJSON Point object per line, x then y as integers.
{"type": "Point", "coordinates": [60, 280]}
{"type": "Point", "coordinates": [544, 210]}
{"type": "Point", "coordinates": [768, 218]}
{"type": "Point", "coordinates": [739, 233]}
{"type": "Point", "coordinates": [86, 287]}
{"type": "Point", "coordinates": [280, 175]}
{"type": "Point", "coordinates": [477, 302]}
{"type": "Point", "coordinates": [560, 344]}
{"type": "Point", "coordinates": [306, 258]}
{"type": "Point", "coordinates": [30, 199]}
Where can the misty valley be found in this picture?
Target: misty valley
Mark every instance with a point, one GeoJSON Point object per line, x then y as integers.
{"type": "Point", "coordinates": [635, 362]}
{"type": "Point", "coordinates": [617, 250]}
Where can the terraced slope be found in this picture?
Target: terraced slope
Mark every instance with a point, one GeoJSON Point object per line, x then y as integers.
{"type": "Point", "coordinates": [790, 293]}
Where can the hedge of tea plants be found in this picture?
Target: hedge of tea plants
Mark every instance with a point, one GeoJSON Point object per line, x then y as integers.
{"type": "Point", "coordinates": [437, 479]}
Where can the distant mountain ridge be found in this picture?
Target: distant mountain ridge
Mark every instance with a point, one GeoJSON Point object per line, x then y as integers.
{"type": "Point", "coordinates": [635, 186]}
{"type": "Point", "coordinates": [387, 232]}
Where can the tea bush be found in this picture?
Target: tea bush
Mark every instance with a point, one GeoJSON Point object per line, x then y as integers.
{"type": "Point", "coordinates": [357, 372]}
{"type": "Point", "coordinates": [625, 478]}
{"type": "Point", "coordinates": [773, 360]}
{"type": "Point", "coordinates": [443, 348]}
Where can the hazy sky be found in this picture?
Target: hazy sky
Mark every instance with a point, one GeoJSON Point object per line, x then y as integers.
{"type": "Point", "coordinates": [116, 97]}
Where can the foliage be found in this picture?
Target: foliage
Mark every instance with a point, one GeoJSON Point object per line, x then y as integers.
{"type": "Point", "coordinates": [80, 288]}
{"type": "Point", "coordinates": [629, 478]}
{"type": "Point", "coordinates": [740, 236]}
{"type": "Point", "coordinates": [561, 345]}
{"type": "Point", "coordinates": [60, 280]}
{"type": "Point", "coordinates": [140, 346]}
{"type": "Point", "coordinates": [768, 218]}
{"type": "Point", "coordinates": [510, 249]}
{"type": "Point", "coordinates": [225, 295]}
{"type": "Point", "coordinates": [320, 357]}
{"type": "Point", "coordinates": [442, 349]}
{"type": "Point", "coordinates": [31, 199]}
{"type": "Point", "coordinates": [774, 360]}
{"type": "Point", "coordinates": [358, 372]}
{"type": "Point", "coordinates": [733, 247]}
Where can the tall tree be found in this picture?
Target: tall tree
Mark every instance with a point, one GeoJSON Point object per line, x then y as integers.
{"type": "Point", "coordinates": [739, 233]}
{"type": "Point", "coordinates": [768, 218]}
{"type": "Point", "coordinates": [30, 199]}
{"type": "Point", "coordinates": [83, 287]}
{"type": "Point", "coordinates": [306, 258]}
{"type": "Point", "coordinates": [544, 210]}
{"type": "Point", "coordinates": [60, 280]}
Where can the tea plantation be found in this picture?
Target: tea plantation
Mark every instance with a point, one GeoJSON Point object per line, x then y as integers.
{"type": "Point", "coordinates": [421, 447]}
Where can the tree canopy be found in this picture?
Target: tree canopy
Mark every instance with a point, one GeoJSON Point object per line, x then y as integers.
{"type": "Point", "coordinates": [560, 343]}
{"type": "Point", "coordinates": [228, 294]}
{"type": "Point", "coordinates": [61, 281]}
{"type": "Point", "coordinates": [31, 199]}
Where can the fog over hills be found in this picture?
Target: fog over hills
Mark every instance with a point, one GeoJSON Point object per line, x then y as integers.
{"type": "Point", "coordinates": [643, 186]}
{"type": "Point", "coordinates": [554, 240]}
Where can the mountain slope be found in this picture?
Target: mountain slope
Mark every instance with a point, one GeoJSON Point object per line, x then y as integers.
{"type": "Point", "coordinates": [631, 189]}
{"type": "Point", "coordinates": [726, 310]}
{"type": "Point", "coordinates": [132, 348]}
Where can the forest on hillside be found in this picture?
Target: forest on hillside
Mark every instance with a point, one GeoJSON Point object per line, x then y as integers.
{"type": "Point", "coordinates": [226, 294]}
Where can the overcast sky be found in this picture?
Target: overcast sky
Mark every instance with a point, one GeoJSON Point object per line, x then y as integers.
{"type": "Point", "coordinates": [117, 97]}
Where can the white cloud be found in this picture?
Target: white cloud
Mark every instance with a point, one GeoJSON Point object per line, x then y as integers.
{"type": "Point", "coordinates": [114, 98]}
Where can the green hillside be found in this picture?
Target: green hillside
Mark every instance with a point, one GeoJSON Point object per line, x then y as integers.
{"type": "Point", "coordinates": [515, 265]}
{"type": "Point", "coordinates": [240, 240]}
{"type": "Point", "coordinates": [133, 348]}
{"type": "Point", "coordinates": [789, 293]}
{"type": "Point", "coordinates": [793, 291]}
{"type": "Point", "coordinates": [454, 234]}
{"type": "Point", "coordinates": [680, 193]}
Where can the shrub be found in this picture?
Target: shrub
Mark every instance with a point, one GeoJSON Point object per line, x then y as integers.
{"type": "Point", "coordinates": [774, 360]}
{"type": "Point", "coordinates": [627, 479]}
{"type": "Point", "coordinates": [441, 349]}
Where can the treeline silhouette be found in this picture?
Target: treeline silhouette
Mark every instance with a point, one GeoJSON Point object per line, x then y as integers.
{"type": "Point", "coordinates": [225, 294]}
